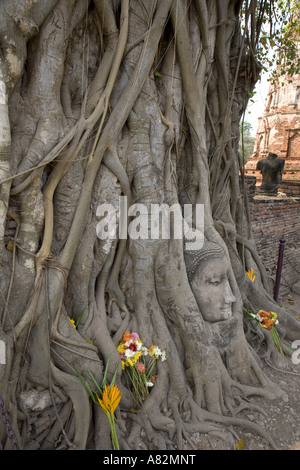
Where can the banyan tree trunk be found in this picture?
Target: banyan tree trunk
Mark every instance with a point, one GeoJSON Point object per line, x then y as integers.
{"type": "Point", "coordinates": [104, 101]}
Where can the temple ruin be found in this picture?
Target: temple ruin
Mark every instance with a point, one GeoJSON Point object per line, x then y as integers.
{"type": "Point", "coordinates": [279, 130]}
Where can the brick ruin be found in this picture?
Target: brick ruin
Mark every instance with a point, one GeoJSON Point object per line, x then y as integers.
{"type": "Point", "coordinates": [273, 217]}
{"type": "Point", "coordinates": [279, 130]}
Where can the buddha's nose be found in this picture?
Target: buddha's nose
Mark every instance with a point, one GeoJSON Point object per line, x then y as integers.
{"type": "Point", "coordinates": [229, 297]}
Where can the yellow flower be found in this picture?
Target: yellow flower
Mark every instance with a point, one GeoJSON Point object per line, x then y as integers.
{"type": "Point", "coordinates": [250, 274]}
{"type": "Point", "coordinates": [73, 322]}
{"type": "Point", "coordinates": [121, 348]}
{"type": "Point", "coordinates": [110, 399]}
{"type": "Point", "coordinates": [136, 357]}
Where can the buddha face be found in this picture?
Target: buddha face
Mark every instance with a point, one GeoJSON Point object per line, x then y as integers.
{"type": "Point", "coordinates": [212, 290]}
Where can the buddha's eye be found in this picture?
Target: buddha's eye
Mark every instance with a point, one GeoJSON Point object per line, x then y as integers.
{"type": "Point", "coordinates": [215, 281]}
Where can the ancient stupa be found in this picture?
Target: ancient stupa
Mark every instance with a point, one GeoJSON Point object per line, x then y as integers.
{"type": "Point", "coordinates": [279, 130]}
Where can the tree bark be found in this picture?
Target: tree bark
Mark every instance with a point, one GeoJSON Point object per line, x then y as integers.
{"type": "Point", "coordinates": [140, 99]}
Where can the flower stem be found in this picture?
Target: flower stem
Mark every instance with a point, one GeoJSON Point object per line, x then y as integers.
{"type": "Point", "coordinates": [114, 437]}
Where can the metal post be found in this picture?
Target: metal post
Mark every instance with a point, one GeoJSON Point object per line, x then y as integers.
{"type": "Point", "coordinates": [279, 267]}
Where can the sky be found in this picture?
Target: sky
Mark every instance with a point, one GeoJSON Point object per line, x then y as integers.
{"type": "Point", "coordinates": [256, 109]}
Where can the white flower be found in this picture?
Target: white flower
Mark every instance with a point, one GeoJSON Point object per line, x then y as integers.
{"type": "Point", "coordinates": [253, 315]}
{"type": "Point", "coordinates": [144, 351]}
{"type": "Point", "coordinates": [156, 351]}
{"type": "Point", "coordinates": [163, 356]}
{"type": "Point", "coordinates": [129, 353]}
{"type": "Point", "coordinates": [149, 384]}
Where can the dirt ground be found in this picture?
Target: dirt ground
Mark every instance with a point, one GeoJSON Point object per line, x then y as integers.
{"type": "Point", "coordinates": [281, 419]}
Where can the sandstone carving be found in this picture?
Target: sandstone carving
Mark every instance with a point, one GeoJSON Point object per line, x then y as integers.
{"type": "Point", "coordinates": [207, 271]}
{"type": "Point", "coordinates": [271, 169]}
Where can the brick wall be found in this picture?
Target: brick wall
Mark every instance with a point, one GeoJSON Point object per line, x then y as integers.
{"type": "Point", "coordinates": [290, 188]}
{"type": "Point", "coordinates": [272, 218]}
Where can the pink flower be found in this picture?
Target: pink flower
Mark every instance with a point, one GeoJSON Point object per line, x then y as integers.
{"type": "Point", "coordinates": [134, 336]}
{"type": "Point", "coordinates": [141, 367]}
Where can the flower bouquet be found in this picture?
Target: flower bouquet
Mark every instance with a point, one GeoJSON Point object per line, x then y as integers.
{"type": "Point", "coordinates": [268, 320]}
{"type": "Point", "coordinates": [137, 364]}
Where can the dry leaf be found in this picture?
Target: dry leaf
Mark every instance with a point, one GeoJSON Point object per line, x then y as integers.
{"type": "Point", "coordinates": [10, 245]}
{"type": "Point", "coordinates": [240, 444]}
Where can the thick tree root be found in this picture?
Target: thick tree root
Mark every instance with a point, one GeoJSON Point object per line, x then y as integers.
{"type": "Point", "coordinates": [165, 80]}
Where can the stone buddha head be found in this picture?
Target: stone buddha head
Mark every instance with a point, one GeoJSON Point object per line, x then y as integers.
{"type": "Point", "coordinates": [208, 274]}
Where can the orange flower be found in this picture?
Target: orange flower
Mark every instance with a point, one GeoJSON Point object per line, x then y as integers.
{"type": "Point", "coordinates": [267, 319]}
{"type": "Point", "coordinates": [251, 275]}
{"type": "Point", "coordinates": [126, 337]}
{"type": "Point", "coordinates": [110, 399]}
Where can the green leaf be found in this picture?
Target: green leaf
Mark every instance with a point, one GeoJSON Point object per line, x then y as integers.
{"type": "Point", "coordinates": [115, 374]}
{"type": "Point", "coordinates": [263, 41]}
{"type": "Point", "coordinates": [80, 317]}
{"type": "Point", "coordinates": [98, 387]}
{"type": "Point", "coordinates": [105, 373]}
{"type": "Point", "coordinates": [89, 341]}
{"type": "Point", "coordinates": [86, 385]}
